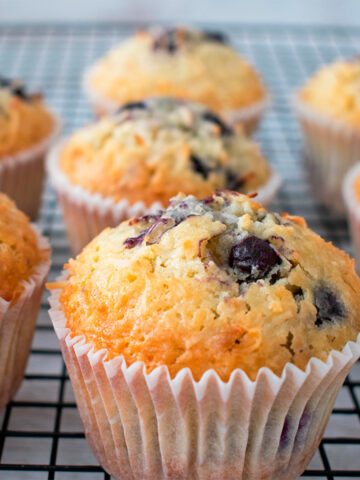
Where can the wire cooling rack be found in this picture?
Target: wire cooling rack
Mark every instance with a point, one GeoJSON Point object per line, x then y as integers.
{"type": "Point", "coordinates": [41, 435]}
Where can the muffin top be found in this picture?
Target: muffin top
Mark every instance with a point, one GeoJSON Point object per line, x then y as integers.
{"type": "Point", "coordinates": [19, 252]}
{"type": "Point", "coordinates": [213, 284]}
{"type": "Point", "coordinates": [24, 120]}
{"type": "Point", "coordinates": [151, 150]}
{"type": "Point", "coordinates": [180, 62]}
{"type": "Point", "coordinates": [335, 91]}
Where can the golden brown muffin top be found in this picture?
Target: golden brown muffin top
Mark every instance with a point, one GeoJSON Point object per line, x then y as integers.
{"type": "Point", "coordinates": [179, 62]}
{"type": "Point", "coordinates": [335, 91]}
{"type": "Point", "coordinates": [24, 119]}
{"type": "Point", "coordinates": [19, 252]}
{"type": "Point", "coordinates": [218, 283]}
{"type": "Point", "coordinates": [155, 148]}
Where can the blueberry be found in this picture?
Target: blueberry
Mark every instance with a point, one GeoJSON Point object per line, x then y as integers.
{"type": "Point", "coordinates": [207, 200]}
{"type": "Point", "coordinates": [132, 242]}
{"type": "Point", "coordinates": [19, 91]}
{"type": "Point", "coordinates": [225, 129]}
{"type": "Point", "coordinates": [199, 166]}
{"type": "Point", "coordinates": [156, 230]}
{"type": "Point", "coordinates": [329, 307]}
{"type": "Point", "coordinates": [166, 40]}
{"type": "Point", "coordinates": [132, 106]}
{"type": "Point", "coordinates": [215, 36]}
{"type": "Point", "coordinates": [253, 257]}
{"type": "Point", "coordinates": [145, 218]}
{"type": "Point", "coordinates": [5, 82]}
{"type": "Point", "coordinates": [233, 181]}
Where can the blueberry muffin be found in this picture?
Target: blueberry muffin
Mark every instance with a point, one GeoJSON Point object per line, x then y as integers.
{"type": "Point", "coordinates": [27, 128]}
{"type": "Point", "coordinates": [151, 150]}
{"type": "Point", "coordinates": [219, 284]}
{"type": "Point", "coordinates": [191, 64]}
{"type": "Point", "coordinates": [134, 161]}
{"type": "Point", "coordinates": [24, 119]}
{"type": "Point", "coordinates": [212, 337]}
{"type": "Point", "coordinates": [328, 108]}
{"type": "Point", "coordinates": [24, 263]}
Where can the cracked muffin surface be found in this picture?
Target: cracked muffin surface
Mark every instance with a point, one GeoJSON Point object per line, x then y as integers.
{"type": "Point", "coordinates": [152, 150]}
{"type": "Point", "coordinates": [24, 119]}
{"type": "Point", "coordinates": [180, 62]}
{"type": "Point", "coordinates": [213, 284]}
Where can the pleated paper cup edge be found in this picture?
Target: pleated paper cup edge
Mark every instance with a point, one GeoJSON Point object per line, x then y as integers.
{"type": "Point", "coordinates": [351, 350]}
{"type": "Point", "coordinates": [95, 201]}
{"type": "Point", "coordinates": [304, 110]}
{"type": "Point", "coordinates": [37, 149]}
{"type": "Point", "coordinates": [28, 299]}
{"type": "Point", "coordinates": [41, 270]}
{"type": "Point", "coordinates": [351, 202]}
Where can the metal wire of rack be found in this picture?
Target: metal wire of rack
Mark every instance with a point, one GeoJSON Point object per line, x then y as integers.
{"type": "Point", "coordinates": [41, 435]}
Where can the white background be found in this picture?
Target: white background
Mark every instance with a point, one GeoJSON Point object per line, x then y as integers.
{"type": "Point", "coordinates": [336, 12]}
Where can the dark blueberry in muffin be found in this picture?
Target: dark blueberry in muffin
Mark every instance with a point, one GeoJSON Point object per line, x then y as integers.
{"type": "Point", "coordinates": [233, 181]}
{"type": "Point", "coordinates": [207, 200]}
{"type": "Point", "coordinates": [19, 91]}
{"type": "Point", "coordinates": [159, 226]}
{"type": "Point", "coordinates": [224, 128]}
{"type": "Point", "coordinates": [167, 40]}
{"type": "Point", "coordinates": [329, 307]}
{"type": "Point", "coordinates": [5, 82]}
{"type": "Point", "coordinates": [215, 36]}
{"type": "Point", "coordinates": [253, 258]}
{"type": "Point", "coordinates": [15, 87]}
{"type": "Point", "coordinates": [199, 166]}
{"type": "Point", "coordinates": [132, 242]}
{"type": "Point", "coordinates": [132, 106]}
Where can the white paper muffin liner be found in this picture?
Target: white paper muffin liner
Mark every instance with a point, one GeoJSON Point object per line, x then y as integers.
{"type": "Point", "coordinates": [353, 210]}
{"type": "Point", "coordinates": [330, 148]}
{"type": "Point", "coordinates": [149, 426]}
{"type": "Point", "coordinates": [249, 116]}
{"type": "Point", "coordinates": [86, 214]}
{"type": "Point", "coordinates": [22, 174]}
{"type": "Point", "coordinates": [17, 325]}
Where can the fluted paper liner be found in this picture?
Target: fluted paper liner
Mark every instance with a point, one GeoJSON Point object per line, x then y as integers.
{"type": "Point", "coordinates": [86, 214]}
{"type": "Point", "coordinates": [17, 325]}
{"type": "Point", "coordinates": [149, 426]}
{"type": "Point", "coordinates": [249, 116]}
{"type": "Point", "coordinates": [22, 174]}
{"type": "Point", "coordinates": [331, 148]}
{"type": "Point", "coordinates": [353, 210]}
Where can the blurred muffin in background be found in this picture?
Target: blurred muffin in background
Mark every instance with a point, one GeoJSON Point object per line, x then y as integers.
{"type": "Point", "coordinates": [135, 161]}
{"type": "Point", "coordinates": [180, 62]}
{"type": "Point", "coordinates": [328, 108]}
{"type": "Point", "coordinates": [351, 195]}
{"type": "Point", "coordinates": [27, 128]}
{"type": "Point", "coordinates": [24, 264]}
